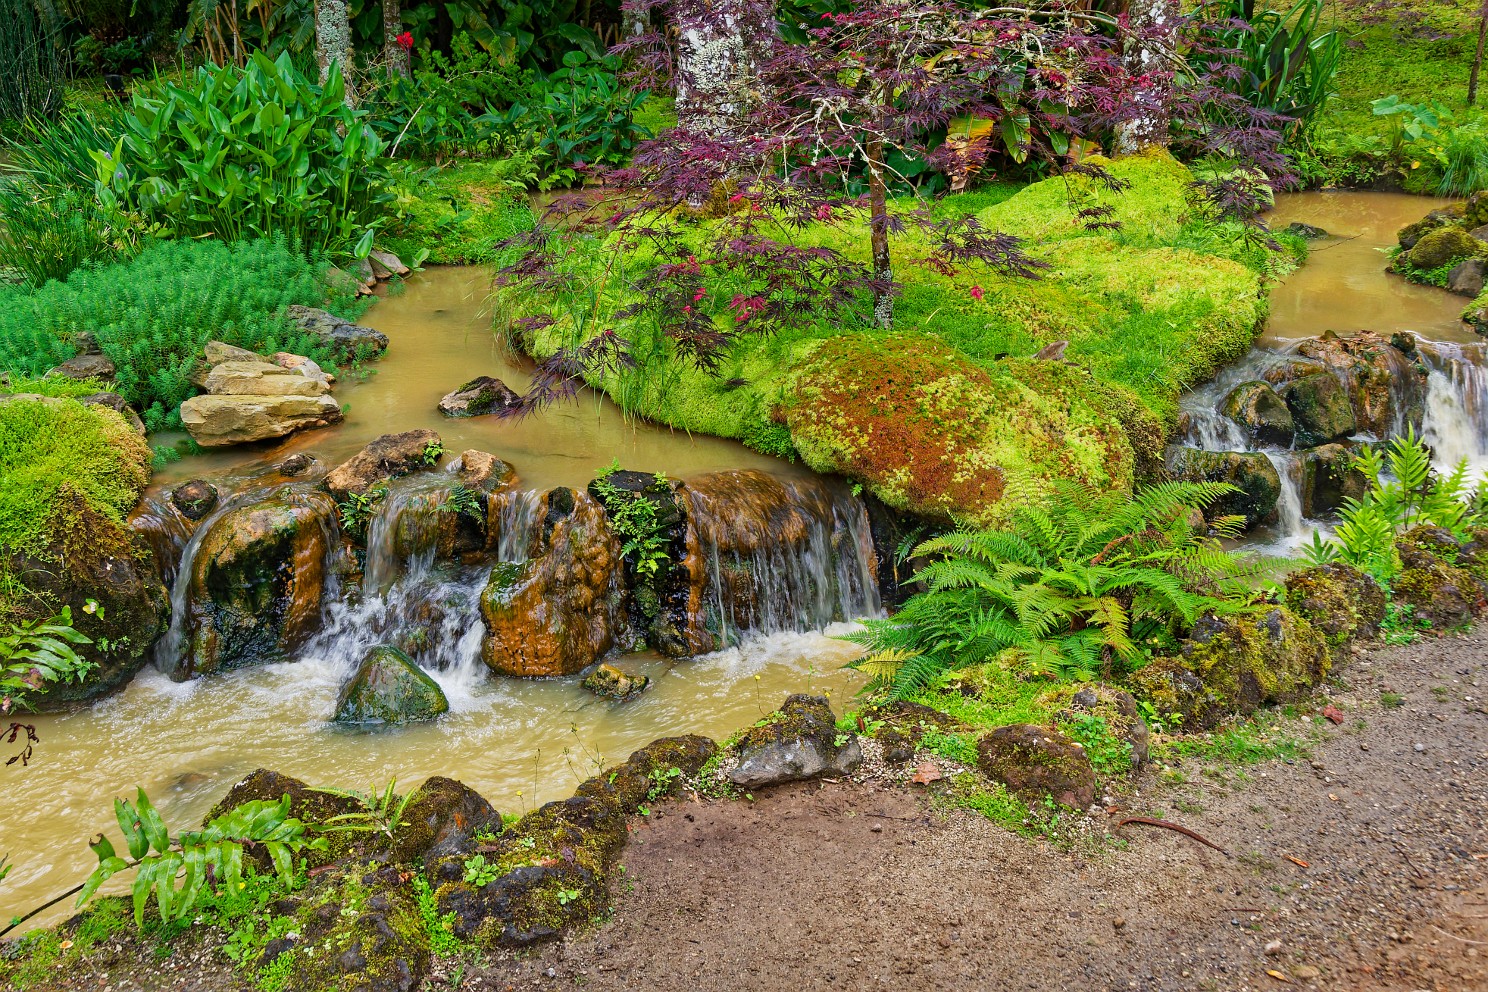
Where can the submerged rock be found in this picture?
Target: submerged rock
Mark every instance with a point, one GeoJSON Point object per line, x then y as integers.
{"type": "Point", "coordinates": [347, 342]}
{"type": "Point", "coordinates": [1257, 480]}
{"type": "Point", "coordinates": [798, 741]}
{"type": "Point", "coordinates": [562, 610]}
{"type": "Point", "coordinates": [195, 499]}
{"type": "Point", "coordinates": [1038, 763]}
{"type": "Point", "coordinates": [1320, 408]}
{"type": "Point", "coordinates": [1261, 413]}
{"type": "Point", "coordinates": [256, 584]}
{"type": "Point", "coordinates": [480, 396]}
{"type": "Point", "coordinates": [390, 456]}
{"type": "Point", "coordinates": [389, 688]}
{"type": "Point", "coordinates": [612, 683]}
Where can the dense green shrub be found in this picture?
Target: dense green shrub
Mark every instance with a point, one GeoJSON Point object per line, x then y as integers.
{"type": "Point", "coordinates": [242, 153]}
{"type": "Point", "coordinates": [153, 314]}
{"type": "Point", "coordinates": [1090, 584]}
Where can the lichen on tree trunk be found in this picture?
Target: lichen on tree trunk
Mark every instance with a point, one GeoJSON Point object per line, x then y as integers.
{"type": "Point", "coordinates": [392, 26]}
{"type": "Point", "coordinates": [333, 42]}
{"type": "Point", "coordinates": [719, 50]}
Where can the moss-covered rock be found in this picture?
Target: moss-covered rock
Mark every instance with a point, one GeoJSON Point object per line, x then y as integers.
{"type": "Point", "coordinates": [798, 741]}
{"type": "Point", "coordinates": [1329, 478]}
{"type": "Point", "coordinates": [305, 804]}
{"type": "Point", "coordinates": [930, 432]}
{"type": "Point", "coordinates": [442, 818]}
{"type": "Point", "coordinates": [1386, 387]}
{"type": "Point", "coordinates": [356, 931]}
{"type": "Point", "coordinates": [560, 611]}
{"type": "Point", "coordinates": [662, 604]}
{"type": "Point", "coordinates": [1443, 247]}
{"type": "Point", "coordinates": [388, 687]}
{"type": "Point", "coordinates": [1234, 665]}
{"type": "Point", "coordinates": [903, 725]}
{"type": "Point", "coordinates": [257, 583]}
{"type": "Point", "coordinates": [1116, 708]}
{"type": "Point", "coordinates": [1261, 413]}
{"type": "Point", "coordinates": [1038, 763]}
{"type": "Point", "coordinates": [1433, 580]}
{"type": "Point", "coordinates": [1411, 235]}
{"type": "Point", "coordinates": [1320, 408]}
{"type": "Point", "coordinates": [1257, 482]}
{"type": "Point", "coordinates": [1343, 603]}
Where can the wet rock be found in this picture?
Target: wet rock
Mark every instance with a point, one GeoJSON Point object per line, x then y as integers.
{"type": "Point", "coordinates": [1307, 231]}
{"type": "Point", "coordinates": [1411, 235]}
{"type": "Point", "coordinates": [295, 465]}
{"type": "Point", "coordinates": [1386, 388]}
{"type": "Point", "coordinates": [479, 396]}
{"type": "Point", "coordinates": [798, 741]}
{"type": "Point", "coordinates": [611, 683]}
{"type": "Point", "coordinates": [1263, 414]}
{"type": "Point", "coordinates": [663, 603]}
{"type": "Point", "coordinates": [1329, 478]}
{"type": "Point", "coordinates": [347, 342]}
{"type": "Point", "coordinates": [1468, 278]}
{"type": "Point", "coordinates": [1320, 408]}
{"type": "Point", "coordinates": [389, 688]}
{"type": "Point", "coordinates": [1431, 581]}
{"type": "Point", "coordinates": [118, 404]}
{"type": "Point", "coordinates": [1231, 665]}
{"type": "Point", "coordinates": [1342, 602]}
{"type": "Point", "coordinates": [83, 368]}
{"type": "Point", "coordinates": [563, 609]}
{"type": "Point", "coordinates": [1119, 710]}
{"type": "Point", "coordinates": [441, 819]}
{"type": "Point", "coordinates": [483, 471]}
{"type": "Point", "coordinates": [195, 499]}
{"type": "Point", "coordinates": [385, 264]}
{"type": "Point", "coordinates": [1258, 481]}
{"type": "Point", "coordinates": [1442, 247]}
{"type": "Point", "coordinates": [256, 584]}
{"type": "Point", "coordinates": [1037, 763]}
{"type": "Point", "coordinates": [216, 421]}
{"type": "Point", "coordinates": [391, 456]}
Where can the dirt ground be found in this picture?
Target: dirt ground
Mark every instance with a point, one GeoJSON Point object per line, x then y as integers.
{"type": "Point", "coordinates": [853, 886]}
{"type": "Point", "coordinates": [1363, 868]}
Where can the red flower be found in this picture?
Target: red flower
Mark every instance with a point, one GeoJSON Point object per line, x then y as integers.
{"type": "Point", "coordinates": [977, 294]}
{"type": "Point", "coordinates": [405, 40]}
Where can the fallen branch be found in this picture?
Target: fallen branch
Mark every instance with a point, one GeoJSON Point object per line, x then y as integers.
{"type": "Point", "coordinates": [1170, 825]}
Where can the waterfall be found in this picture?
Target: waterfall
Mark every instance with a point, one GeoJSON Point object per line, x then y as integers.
{"type": "Point", "coordinates": [774, 556]}
{"type": "Point", "coordinates": [1292, 529]}
{"type": "Point", "coordinates": [1456, 422]}
{"type": "Point", "coordinates": [514, 523]}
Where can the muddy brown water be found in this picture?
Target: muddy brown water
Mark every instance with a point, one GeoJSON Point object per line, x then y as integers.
{"type": "Point", "coordinates": [521, 743]}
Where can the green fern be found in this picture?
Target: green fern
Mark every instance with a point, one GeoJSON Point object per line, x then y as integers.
{"type": "Point", "coordinates": [1071, 588]}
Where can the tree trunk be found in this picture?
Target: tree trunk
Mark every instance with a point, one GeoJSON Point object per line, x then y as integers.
{"type": "Point", "coordinates": [1477, 66]}
{"type": "Point", "coordinates": [333, 42]}
{"type": "Point", "coordinates": [1153, 34]}
{"type": "Point", "coordinates": [878, 220]}
{"type": "Point", "coordinates": [392, 26]}
{"type": "Point", "coordinates": [719, 49]}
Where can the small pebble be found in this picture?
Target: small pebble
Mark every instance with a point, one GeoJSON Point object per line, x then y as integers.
{"type": "Point", "coordinates": [1305, 973]}
{"type": "Point", "coordinates": [1273, 948]}
{"type": "Point", "coordinates": [1119, 922]}
{"type": "Point", "coordinates": [1418, 747]}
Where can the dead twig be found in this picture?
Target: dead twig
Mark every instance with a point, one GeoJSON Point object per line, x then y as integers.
{"type": "Point", "coordinates": [1152, 821]}
{"type": "Point", "coordinates": [1412, 865]}
{"type": "Point", "coordinates": [1455, 937]}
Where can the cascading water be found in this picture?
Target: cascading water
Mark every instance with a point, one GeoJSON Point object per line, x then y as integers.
{"type": "Point", "coordinates": [1456, 421]}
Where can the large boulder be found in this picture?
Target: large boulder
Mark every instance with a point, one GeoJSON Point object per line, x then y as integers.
{"type": "Point", "coordinates": [481, 395]}
{"type": "Point", "coordinates": [798, 741]}
{"type": "Point", "coordinates": [1261, 413]}
{"type": "Point", "coordinates": [442, 818]}
{"type": "Point", "coordinates": [348, 342]}
{"type": "Point", "coordinates": [666, 600]}
{"type": "Point", "coordinates": [390, 456]}
{"type": "Point", "coordinates": [260, 379]}
{"type": "Point", "coordinates": [389, 688]}
{"type": "Point", "coordinates": [1386, 387]}
{"type": "Point", "coordinates": [85, 368]}
{"type": "Point", "coordinates": [1038, 763]}
{"type": "Point", "coordinates": [1443, 247]}
{"type": "Point", "coordinates": [217, 421]}
{"type": "Point", "coordinates": [1432, 581]}
{"type": "Point", "coordinates": [1320, 408]}
{"type": "Point", "coordinates": [1411, 235]}
{"type": "Point", "coordinates": [1342, 602]}
{"type": "Point", "coordinates": [1468, 278]}
{"type": "Point", "coordinates": [1234, 665]}
{"type": "Point", "coordinates": [1256, 478]}
{"type": "Point", "coordinates": [1329, 478]}
{"type": "Point", "coordinates": [256, 585]}
{"type": "Point", "coordinates": [562, 610]}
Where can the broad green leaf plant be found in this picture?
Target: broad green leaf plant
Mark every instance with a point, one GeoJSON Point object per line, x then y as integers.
{"type": "Point", "coordinates": [36, 653]}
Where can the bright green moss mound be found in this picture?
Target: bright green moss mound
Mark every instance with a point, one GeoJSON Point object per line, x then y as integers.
{"type": "Point", "coordinates": [69, 474]}
{"type": "Point", "coordinates": [1148, 310]}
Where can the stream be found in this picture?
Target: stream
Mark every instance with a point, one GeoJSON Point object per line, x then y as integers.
{"type": "Point", "coordinates": [524, 742]}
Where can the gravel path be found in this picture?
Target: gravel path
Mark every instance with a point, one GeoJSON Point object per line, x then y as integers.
{"type": "Point", "coordinates": [834, 886]}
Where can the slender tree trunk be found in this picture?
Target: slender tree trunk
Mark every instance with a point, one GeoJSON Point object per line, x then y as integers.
{"type": "Point", "coordinates": [633, 22]}
{"type": "Point", "coordinates": [719, 49]}
{"type": "Point", "coordinates": [333, 42]}
{"type": "Point", "coordinates": [392, 26]}
{"type": "Point", "coordinates": [1477, 66]}
{"type": "Point", "coordinates": [1153, 34]}
{"type": "Point", "coordinates": [878, 220]}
